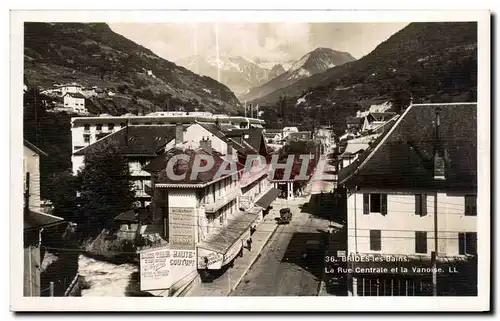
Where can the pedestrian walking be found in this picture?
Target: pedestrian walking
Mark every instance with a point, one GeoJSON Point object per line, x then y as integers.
{"type": "Point", "coordinates": [249, 244]}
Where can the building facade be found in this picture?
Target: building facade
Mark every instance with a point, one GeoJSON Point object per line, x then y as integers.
{"type": "Point", "coordinates": [411, 201]}
{"type": "Point", "coordinates": [75, 102]}
{"type": "Point", "coordinates": [34, 221]}
{"type": "Point", "coordinates": [211, 215]}
{"type": "Point", "coordinates": [87, 130]}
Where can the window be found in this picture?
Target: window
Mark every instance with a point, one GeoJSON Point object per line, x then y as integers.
{"type": "Point", "coordinates": [421, 204]}
{"type": "Point", "coordinates": [420, 242]}
{"type": "Point", "coordinates": [467, 243]}
{"type": "Point", "coordinates": [375, 203]}
{"type": "Point", "coordinates": [375, 240]}
{"type": "Point", "coordinates": [111, 126]}
{"type": "Point", "coordinates": [86, 127]}
{"type": "Point", "coordinates": [471, 205]}
{"type": "Point", "coordinates": [86, 138]}
{"type": "Point", "coordinates": [98, 127]}
{"type": "Point", "coordinates": [123, 125]}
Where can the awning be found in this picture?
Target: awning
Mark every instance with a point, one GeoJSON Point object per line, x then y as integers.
{"type": "Point", "coordinates": [37, 220]}
{"type": "Point", "coordinates": [268, 198]}
{"type": "Point", "coordinates": [222, 241]}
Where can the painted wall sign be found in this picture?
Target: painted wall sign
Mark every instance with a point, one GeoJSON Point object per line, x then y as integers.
{"type": "Point", "coordinates": [181, 226]}
{"type": "Point", "coordinates": [233, 250]}
{"type": "Point", "coordinates": [208, 259]}
{"type": "Point", "coordinates": [160, 269]}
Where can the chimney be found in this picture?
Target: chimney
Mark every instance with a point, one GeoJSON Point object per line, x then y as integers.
{"type": "Point", "coordinates": [179, 133]}
{"type": "Point", "coordinates": [206, 144]}
{"type": "Point", "coordinates": [439, 162]}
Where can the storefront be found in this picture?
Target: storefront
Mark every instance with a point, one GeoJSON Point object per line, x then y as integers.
{"type": "Point", "coordinates": [265, 201]}
{"type": "Point", "coordinates": [217, 253]}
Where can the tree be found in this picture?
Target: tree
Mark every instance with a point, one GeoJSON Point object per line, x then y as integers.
{"type": "Point", "coordinates": [106, 189]}
{"type": "Point", "coordinates": [63, 195]}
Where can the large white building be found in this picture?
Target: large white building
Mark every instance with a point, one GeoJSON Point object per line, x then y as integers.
{"type": "Point", "coordinates": [87, 130]}
{"type": "Point", "coordinates": [415, 187]}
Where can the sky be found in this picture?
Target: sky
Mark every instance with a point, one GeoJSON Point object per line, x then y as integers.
{"type": "Point", "coordinates": [266, 41]}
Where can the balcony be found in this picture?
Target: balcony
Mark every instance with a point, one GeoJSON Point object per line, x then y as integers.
{"type": "Point", "coordinates": [148, 189]}
{"type": "Point", "coordinates": [221, 201]}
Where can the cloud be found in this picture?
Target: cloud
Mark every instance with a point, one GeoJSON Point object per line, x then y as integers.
{"type": "Point", "coordinates": [268, 41]}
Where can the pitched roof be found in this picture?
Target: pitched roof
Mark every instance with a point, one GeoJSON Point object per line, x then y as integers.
{"type": "Point", "coordinates": [75, 95]}
{"type": "Point", "coordinates": [140, 140]}
{"type": "Point", "coordinates": [361, 143]}
{"type": "Point", "coordinates": [403, 158]}
{"type": "Point", "coordinates": [380, 116]}
{"type": "Point", "coordinates": [34, 148]}
{"type": "Point", "coordinates": [245, 141]}
{"type": "Point", "coordinates": [216, 131]}
{"type": "Point", "coordinates": [254, 138]}
{"type": "Point", "coordinates": [37, 220]}
{"type": "Point", "coordinates": [185, 167]}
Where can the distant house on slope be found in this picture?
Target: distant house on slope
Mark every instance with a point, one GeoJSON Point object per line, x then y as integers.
{"type": "Point", "coordinates": [75, 102]}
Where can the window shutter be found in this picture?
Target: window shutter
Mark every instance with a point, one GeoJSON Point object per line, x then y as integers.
{"type": "Point", "coordinates": [418, 202]}
{"type": "Point", "coordinates": [467, 205]}
{"type": "Point", "coordinates": [375, 240]}
{"type": "Point", "coordinates": [383, 204]}
{"type": "Point", "coordinates": [366, 203]}
{"type": "Point", "coordinates": [461, 243]}
{"type": "Point", "coordinates": [424, 205]}
{"type": "Point", "coordinates": [420, 242]}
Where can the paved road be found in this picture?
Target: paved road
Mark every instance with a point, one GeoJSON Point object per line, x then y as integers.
{"type": "Point", "coordinates": [281, 270]}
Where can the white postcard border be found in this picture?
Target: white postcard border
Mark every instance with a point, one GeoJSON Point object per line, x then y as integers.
{"type": "Point", "coordinates": [479, 303]}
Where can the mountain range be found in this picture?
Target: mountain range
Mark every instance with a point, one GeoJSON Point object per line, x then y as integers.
{"type": "Point", "coordinates": [423, 62]}
{"type": "Point", "coordinates": [428, 62]}
{"type": "Point", "coordinates": [238, 73]}
{"type": "Point", "coordinates": [427, 58]}
{"type": "Point", "coordinates": [93, 55]}
{"type": "Point", "coordinates": [316, 61]}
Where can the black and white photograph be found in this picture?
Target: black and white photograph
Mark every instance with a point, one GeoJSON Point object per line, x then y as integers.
{"type": "Point", "coordinates": [250, 158]}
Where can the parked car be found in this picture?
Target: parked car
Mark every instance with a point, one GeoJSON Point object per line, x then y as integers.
{"type": "Point", "coordinates": [285, 216]}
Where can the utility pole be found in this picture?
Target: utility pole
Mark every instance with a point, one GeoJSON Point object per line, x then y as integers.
{"type": "Point", "coordinates": [36, 115]}
{"type": "Point", "coordinates": [435, 252]}
{"type": "Point", "coordinates": [51, 288]}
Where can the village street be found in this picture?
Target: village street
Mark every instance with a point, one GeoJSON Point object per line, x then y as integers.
{"type": "Point", "coordinates": [281, 269]}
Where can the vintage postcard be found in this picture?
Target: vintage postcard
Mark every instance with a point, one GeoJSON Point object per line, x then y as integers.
{"type": "Point", "coordinates": [250, 161]}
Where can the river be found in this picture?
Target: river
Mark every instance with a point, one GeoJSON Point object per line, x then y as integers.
{"type": "Point", "coordinates": [101, 278]}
